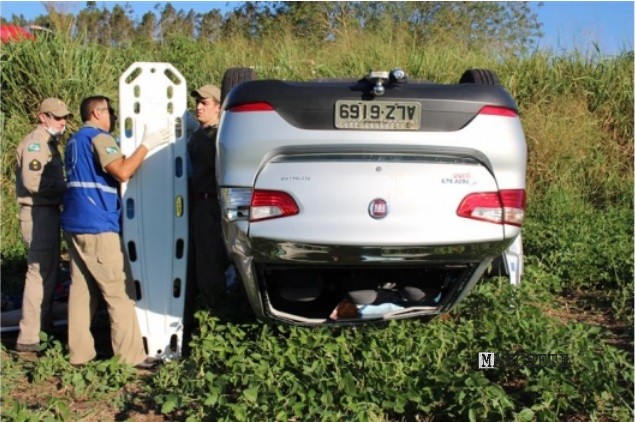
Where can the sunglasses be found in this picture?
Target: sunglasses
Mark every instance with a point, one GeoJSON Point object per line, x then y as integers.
{"type": "Point", "coordinates": [55, 117]}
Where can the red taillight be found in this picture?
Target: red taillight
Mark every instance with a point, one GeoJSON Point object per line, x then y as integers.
{"type": "Point", "coordinates": [251, 107]}
{"type": "Point", "coordinates": [504, 207]}
{"type": "Point", "coordinates": [498, 111]}
{"type": "Point", "coordinates": [266, 204]}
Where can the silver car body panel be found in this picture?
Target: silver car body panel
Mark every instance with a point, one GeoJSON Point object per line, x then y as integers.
{"type": "Point", "coordinates": [257, 137]}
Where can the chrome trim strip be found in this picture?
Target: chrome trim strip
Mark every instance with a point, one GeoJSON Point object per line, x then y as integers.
{"type": "Point", "coordinates": [392, 152]}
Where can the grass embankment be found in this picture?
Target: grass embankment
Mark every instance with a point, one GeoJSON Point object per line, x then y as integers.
{"type": "Point", "coordinates": [576, 298]}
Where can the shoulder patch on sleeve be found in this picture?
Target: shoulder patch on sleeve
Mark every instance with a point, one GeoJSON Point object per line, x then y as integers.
{"type": "Point", "coordinates": [112, 150]}
{"type": "Point", "coordinates": [35, 147]}
{"type": "Point", "coordinates": [35, 165]}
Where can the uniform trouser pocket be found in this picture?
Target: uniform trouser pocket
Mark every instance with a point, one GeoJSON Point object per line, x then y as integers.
{"type": "Point", "coordinates": [103, 261]}
{"type": "Point", "coordinates": [37, 299]}
{"type": "Point", "coordinates": [40, 226]}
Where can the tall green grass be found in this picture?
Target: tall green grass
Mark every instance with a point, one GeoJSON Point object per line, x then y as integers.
{"type": "Point", "coordinates": [577, 111]}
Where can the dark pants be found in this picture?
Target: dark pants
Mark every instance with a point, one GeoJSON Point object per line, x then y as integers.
{"type": "Point", "coordinates": [209, 256]}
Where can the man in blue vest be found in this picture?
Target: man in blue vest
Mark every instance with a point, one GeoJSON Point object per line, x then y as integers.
{"type": "Point", "coordinates": [90, 219]}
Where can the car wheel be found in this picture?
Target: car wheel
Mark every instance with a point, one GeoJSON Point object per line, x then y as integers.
{"type": "Point", "coordinates": [235, 76]}
{"type": "Point", "coordinates": [498, 268]}
{"type": "Point", "coordinates": [479, 76]}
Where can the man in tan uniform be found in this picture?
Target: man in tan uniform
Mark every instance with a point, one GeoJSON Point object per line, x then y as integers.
{"type": "Point", "coordinates": [95, 166]}
{"type": "Point", "coordinates": [39, 187]}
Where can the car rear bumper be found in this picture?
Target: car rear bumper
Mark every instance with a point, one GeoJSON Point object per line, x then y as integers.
{"type": "Point", "coordinates": [280, 252]}
{"type": "Point", "coordinates": [450, 271]}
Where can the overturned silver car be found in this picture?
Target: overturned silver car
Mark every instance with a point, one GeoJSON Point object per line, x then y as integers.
{"type": "Point", "coordinates": [375, 198]}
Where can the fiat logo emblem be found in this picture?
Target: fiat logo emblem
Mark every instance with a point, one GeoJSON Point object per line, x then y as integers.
{"type": "Point", "coordinates": [378, 208]}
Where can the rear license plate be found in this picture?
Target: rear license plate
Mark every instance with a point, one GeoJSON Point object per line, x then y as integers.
{"type": "Point", "coordinates": [377, 115]}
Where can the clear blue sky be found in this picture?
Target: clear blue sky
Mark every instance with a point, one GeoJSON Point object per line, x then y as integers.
{"type": "Point", "coordinates": [566, 24]}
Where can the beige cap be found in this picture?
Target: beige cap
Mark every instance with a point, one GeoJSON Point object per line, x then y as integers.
{"type": "Point", "coordinates": [207, 91]}
{"type": "Point", "coordinates": [54, 106]}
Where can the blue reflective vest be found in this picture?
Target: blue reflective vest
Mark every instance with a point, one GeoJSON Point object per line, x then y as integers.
{"type": "Point", "coordinates": [91, 201]}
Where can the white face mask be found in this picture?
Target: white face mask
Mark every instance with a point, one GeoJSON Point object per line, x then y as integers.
{"type": "Point", "coordinates": [51, 131]}
{"type": "Point", "coordinates": [54, 132]}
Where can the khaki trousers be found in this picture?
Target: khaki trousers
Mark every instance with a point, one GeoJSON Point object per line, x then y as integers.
{"type": "Point", "coordinates": [99, 264]}
{"type": "Point", "coordinates": [41, 232]}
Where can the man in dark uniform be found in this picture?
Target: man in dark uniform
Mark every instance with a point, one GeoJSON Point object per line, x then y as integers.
{"type": "Point", "coordinates": [40, 185]}
{"type": "Point", "coordinates": [209, 257]}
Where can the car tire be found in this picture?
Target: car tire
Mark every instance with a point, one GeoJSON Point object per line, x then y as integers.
{"type": "Point", "coordinates": [235, 76]}
{"type": "Point", "coordinates": [479, 76]}
{"type": "Point", "coordinates": [497, 268]}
